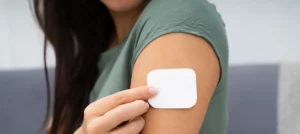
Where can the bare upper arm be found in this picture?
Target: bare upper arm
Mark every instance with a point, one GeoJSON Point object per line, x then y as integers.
{"type": "Point", "coordinates": [178, 50]}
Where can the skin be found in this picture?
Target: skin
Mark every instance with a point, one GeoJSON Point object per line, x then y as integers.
{"type": "Point", "coordinates": [175, 50]}
{"type": "Point", "coordinates": [105, 115]}
{"type": "Point", "coordinates": [187, 51]}
{"type": "Point", "coordinates": [124, 13]}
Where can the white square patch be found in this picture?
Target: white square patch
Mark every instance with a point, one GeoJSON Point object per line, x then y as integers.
{"type": "Point", "coordinates": [177, 88]}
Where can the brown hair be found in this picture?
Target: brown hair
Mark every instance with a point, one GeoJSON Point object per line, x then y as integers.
{"type": "Point", "coordinates": [78, 30]}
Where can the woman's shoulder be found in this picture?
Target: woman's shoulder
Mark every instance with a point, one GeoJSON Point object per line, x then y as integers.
{"type": "Point", "coordinates": [193, 16]}
{"type": "Point", "coordinates": [198, 17]}
{"type": "Point", "coordinates": [176, 10]}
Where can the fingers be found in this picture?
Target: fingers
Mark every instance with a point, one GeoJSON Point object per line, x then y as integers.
{"type": "Point", "coordinates": [107, 113]}
{"type": "Point", "coordinates": [108, 103]}
{"type": "Point", "coordinates": [122, 113]}
{"type": "Point", "coordinates": [133, 127]}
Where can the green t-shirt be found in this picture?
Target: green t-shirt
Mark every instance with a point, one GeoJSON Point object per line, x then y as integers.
{"type": "Point", "coordinates": [197, 17]}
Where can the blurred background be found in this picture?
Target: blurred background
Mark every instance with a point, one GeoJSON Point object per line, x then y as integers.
{"type": "Point", "coordinates": [264, 66]}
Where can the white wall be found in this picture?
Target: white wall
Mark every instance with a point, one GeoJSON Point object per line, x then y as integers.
{"type": "Point", "coordinates": [259, 31]}
{"type": "Point", "coordinates": [262, 31]}
{"type": "Point", "coordinates": [21, 41]}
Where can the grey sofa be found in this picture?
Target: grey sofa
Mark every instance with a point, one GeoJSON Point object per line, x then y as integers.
{"type": "Point", "coordinates": [253, 100]}
{"type": "Point", "coordinates": [22, 101]}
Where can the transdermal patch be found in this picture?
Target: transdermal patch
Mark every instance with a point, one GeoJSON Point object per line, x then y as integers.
{"type": "Point", "coordinates": [177, 88]}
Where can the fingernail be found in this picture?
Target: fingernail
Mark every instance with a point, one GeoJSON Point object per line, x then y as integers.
{"type": "Point", "coordinates": [153, 90]}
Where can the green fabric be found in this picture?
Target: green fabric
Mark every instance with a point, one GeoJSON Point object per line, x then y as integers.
{"type": "Point", "coordinates": [197, 17]}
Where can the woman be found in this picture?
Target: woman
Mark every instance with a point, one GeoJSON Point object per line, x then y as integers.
{"type": "Point", "coordinates": [103, 47]}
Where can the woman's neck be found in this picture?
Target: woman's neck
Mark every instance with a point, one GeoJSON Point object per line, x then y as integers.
{"type": "Point", "coordinates": [124, 21]}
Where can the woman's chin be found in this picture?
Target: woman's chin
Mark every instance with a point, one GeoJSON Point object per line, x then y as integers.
{"type": "Point", "coordinates": [122, 5]}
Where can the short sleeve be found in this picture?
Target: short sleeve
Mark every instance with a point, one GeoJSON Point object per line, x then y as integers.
{"type": "Point", "coordinates": [196, 17]}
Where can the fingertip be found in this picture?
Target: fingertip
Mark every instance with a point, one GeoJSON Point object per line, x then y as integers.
{"type": "Point", "coordinates": [142, 102]}
{"type": "Point", "coordinates": [153, 90]}
{"type": "Point", "coordinates": [141, 119]}
{"type": "Point", "coordinates": [147, 105]}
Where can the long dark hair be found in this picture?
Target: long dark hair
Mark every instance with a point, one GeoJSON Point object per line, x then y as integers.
{"type": "Point", "coordinates": [78, 30]}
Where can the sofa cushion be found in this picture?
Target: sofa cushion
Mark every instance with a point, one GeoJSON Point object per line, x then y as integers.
{"type": "Point", "coordinates": [22, 101]}
{"type": "Point", "coordinates": [253, 99]}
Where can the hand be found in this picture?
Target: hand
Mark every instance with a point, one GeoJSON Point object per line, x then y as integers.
{"type": "Point", "coordinates": [107, 115]}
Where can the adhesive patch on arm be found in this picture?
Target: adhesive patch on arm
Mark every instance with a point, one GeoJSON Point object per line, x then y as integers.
{"type": "Point", "coordinates": [177, 88]}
